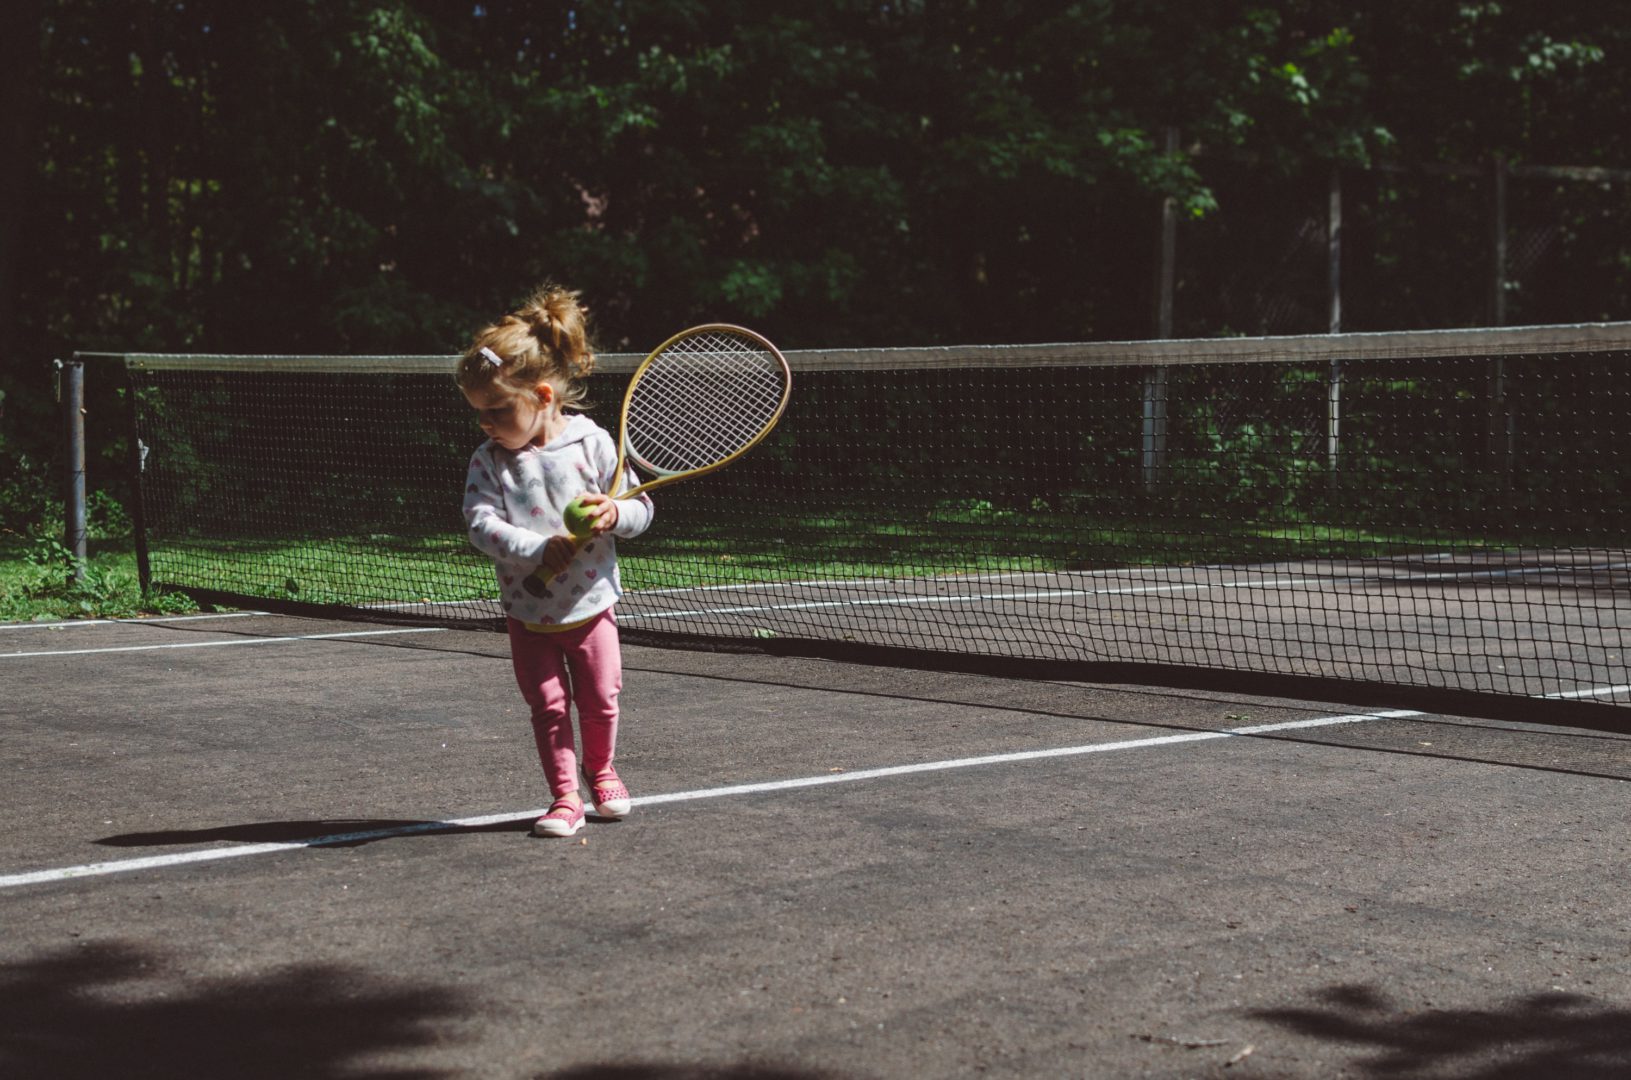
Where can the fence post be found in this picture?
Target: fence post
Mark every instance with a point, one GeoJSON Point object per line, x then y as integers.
{"type": "Point", "coordinates": [1497, 278]}
{"type": "Point", "coordinates": [1333, 249]}
{"type": "Point", "coordinates": [1155, 379]}
{"type": "Point", "coordinates": [136, 459]}
{"type": "Point", "coordinates": [1167, 270]}
{"type": "Point", "coordinates": [71, 393]}
{"type": "Point", "coordinates": [1333, 255]}
{"type": "Point", "coordinates": [1502, 433]}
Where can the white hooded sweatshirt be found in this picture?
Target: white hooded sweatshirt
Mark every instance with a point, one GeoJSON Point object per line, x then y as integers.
{"type": "Point", "coordinates": [513, 502]}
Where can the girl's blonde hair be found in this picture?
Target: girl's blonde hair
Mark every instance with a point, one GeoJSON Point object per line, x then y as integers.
{"type": "Point", "coordinates": [546, 340]}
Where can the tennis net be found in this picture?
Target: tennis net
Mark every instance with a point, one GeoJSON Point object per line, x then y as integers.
{"type": "Point", "coordinates": [1442, 511]}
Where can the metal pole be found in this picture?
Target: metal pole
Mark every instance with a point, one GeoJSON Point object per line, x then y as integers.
{"type": "Point", "coordinates": [1497, 291]}
{"type": "Point", "coordinates": [1155, 428]}
{"type": "Point", "coordinates": [1333, 398]}
{"type": "Point", "coordinates": [1503, 437]}
{"type": "Point", "coordinates": [1155, 380]}
{"type": "Point", "coordinates": [1333, 248]}
{"type": "Point", "coordinates": [1167, 278]}
{"type": "Point", "coordinates": [137, 460]}
{"type": "Point", "coordinates": [72, 394]}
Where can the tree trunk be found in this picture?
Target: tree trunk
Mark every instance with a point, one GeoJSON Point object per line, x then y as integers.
{"type": "Point", "coordinates": [21, 28]}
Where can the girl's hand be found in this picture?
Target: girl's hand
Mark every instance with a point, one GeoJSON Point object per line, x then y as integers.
{"type": "Point", "coordinates": [558, 551]}
{"type": "Point", "coordinates": [602, 511]}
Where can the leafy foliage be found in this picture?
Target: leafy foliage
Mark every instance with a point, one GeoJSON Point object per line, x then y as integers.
{"type": "Point", "coordinates": [380, 175]}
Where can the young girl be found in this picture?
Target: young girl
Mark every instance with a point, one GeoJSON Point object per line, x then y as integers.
{"type": "Point", "coordinates": [521, 374]}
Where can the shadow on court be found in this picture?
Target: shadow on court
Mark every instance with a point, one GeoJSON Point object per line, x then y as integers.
{"type": "Point", "coordinates": [118, 1009]}
{"type": "Point", "coordinates": [1541, 1035]}
{"type": "Point", "coordinates": [651, 1071]}
{"type": "Point", "coordinates": [349, 832]}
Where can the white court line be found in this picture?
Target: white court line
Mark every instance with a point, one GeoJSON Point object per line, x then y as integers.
{"type": "Point", "coordinates": [829, 583]}
{"type": "Point", "coordinates": [962, 598]}
{"type": "Point", "coordinates": [220, 644]}
{"type": "Point", "coordinates": [1124, 571]}
{"type": "Point", "coordinates": [1139, 572]}
{"type": "Point", "coordinates": [1599, 691]}
{"type": "Point", "coordinates": [73, 624]}
{"type": "Point", "coordinates": [1057, 594]}
{"type": "Point", "coordinates": [154, 862]}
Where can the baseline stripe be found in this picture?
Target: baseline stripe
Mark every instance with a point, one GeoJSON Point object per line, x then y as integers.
{"type": "Point", "coordinates": [1403, 581]}
{"type": "Point", "coordinates": [1017, 756]}
{"type": "Point", "coordinates": [153, 862]}
{"type": "Point", "coordinates": [156, 620]}
{"type": "Point", "coordinates": [231, 641]}
{"type": "Point", "coordinates": [1596, 691]}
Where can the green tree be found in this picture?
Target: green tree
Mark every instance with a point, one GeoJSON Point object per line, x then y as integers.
{"type": "Point", "coordinates": [369, 175]}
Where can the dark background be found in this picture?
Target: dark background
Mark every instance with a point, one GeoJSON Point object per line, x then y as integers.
{"type": "Point", "coordinates": [359, 176]}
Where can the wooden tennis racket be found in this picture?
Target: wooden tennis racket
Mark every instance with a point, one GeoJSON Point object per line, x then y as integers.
{"type": "Point", "coordinates": [702, 399]}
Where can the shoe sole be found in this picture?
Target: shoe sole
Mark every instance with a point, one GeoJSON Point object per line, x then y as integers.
{"type": "Point", "coordinates": [556, 827]}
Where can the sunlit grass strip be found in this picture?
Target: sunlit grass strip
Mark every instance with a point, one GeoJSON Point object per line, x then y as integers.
{"type": "Point", "coordinates": [382, 569]}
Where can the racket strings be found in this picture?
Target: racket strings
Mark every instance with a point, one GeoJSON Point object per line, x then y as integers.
{"type": "Point", "coordinates": [701, 401]}
{"type": "Point", "coordinates": [669, 436]}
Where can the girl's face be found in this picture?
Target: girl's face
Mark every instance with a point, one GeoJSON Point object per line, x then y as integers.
{"type": "Point", "coordinates": [516, 420]}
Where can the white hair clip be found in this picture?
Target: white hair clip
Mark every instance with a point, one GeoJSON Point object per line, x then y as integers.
{"type": "Point", "coordinates": [492, 357]}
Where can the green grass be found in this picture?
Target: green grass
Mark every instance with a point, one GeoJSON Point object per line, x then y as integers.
{"type": "Point", "coordinates": [903, 542]}
{"type": "Point", "coordinates": [37, 583]}
{"type": "Point", "coordinates": [340, 570]}
{"type": "Point", "coordinates": [387, 568]}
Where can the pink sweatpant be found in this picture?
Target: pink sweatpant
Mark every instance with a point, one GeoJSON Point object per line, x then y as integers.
{"type": "Point", "coordinates": [582, 667]}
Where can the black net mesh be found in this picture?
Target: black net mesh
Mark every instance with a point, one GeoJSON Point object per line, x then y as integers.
{"type": "Point", "coordinates": [1439, 521]}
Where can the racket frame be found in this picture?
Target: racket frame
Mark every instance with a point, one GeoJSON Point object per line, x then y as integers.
{"type": "Point", "coordinates": [660, 478]}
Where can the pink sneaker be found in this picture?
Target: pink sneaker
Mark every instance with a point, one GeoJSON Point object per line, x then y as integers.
{"type": "Point", "coordinates": [611, 797]}
{"type": "Point", "coordinates": [564, 818]}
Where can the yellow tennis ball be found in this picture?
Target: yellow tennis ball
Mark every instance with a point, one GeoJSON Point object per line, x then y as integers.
{"type": "Point", "coordinates": [577, 519]}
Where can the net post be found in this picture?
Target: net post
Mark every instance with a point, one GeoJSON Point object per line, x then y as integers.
{"type": "Point", "coordinates": [1501, 434]}
{"type": "Point", "coordinates": [1333, 250]}
{"type": "Point", "coordinates": [1333, 424]}
{"type": "Point", "coordinates": [1333, 396]}
{"type": "Point", "coordinates": [71, 396]}
{"type": "Point", "coordinates": [1498, 241]}
{"type": "Point", "coordinates": [1167, 268]}
{"type": "Point", "coordinates": [1154, 437]}
{"type": "Point", "coordinates": [1155, 428]}
{"type": "Point", "coordinates": [135, 462]}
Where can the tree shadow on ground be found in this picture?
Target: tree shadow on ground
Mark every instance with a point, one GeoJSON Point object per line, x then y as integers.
{"type": "Point", "coordinates": [115, 1009]}
{"type": "Point", "coordinates": [657, 1071]}
{"type": "Point", "coordinates": [1540, 1035]}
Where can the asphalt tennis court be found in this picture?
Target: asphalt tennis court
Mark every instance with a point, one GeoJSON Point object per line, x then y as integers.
{"type": "Point", "coordinates": [264, 846]}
